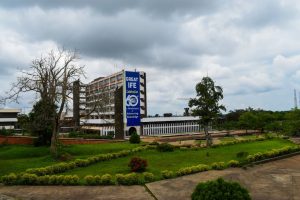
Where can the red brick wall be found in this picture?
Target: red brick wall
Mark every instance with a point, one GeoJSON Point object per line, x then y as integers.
{"type": "Point", "coordinates": [29, 140]}
{"type": "Point", "coordinates": [16, 140]}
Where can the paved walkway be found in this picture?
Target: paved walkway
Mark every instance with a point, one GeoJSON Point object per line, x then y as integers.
{"type": "Point", "coordinates": [278, 180]}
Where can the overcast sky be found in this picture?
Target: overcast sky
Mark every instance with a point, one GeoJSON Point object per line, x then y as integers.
{"type": "Point", "coordinates": [250, 48]}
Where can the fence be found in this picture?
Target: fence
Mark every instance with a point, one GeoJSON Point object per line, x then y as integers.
{"type": "Point", "coordinates": [107, 130]}
{"type": "Point", "coordinates": [170, 128]}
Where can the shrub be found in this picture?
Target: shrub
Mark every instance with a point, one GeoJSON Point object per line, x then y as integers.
{"type": "Point", "coordinates": [218, 165]}
{"type": "Point", "coordinates": [90, 180]}
{"type": "Point", "coordinates": [233, 163]}
{"type": "Point", "coordinates": [97, 180]}
{"type": "Point", "coordinates": [242, 154]}
{"type": "Point", "coordinates": [166, 174]}
{"type": "Point", "coordinates": [106, 179]}
{"type": "Point", "coordinates": [220, 189]}
{"type": "Point", "coordinates": [137, 164]}
{"type": "Point", "coordinates": [10, 179]}
{"type": "Point", "coordinates": [127, 179]}
{"type": "Point", "coordinates": [28, 179]}
{"type": "Point", "coordinates": [165, 147]}
{"type": "Point", "coordinates": [43, 180]}
{"type": "Point", "coordinates": [134, 138]}
{"type": "Point", "coordinates": [148, 177]}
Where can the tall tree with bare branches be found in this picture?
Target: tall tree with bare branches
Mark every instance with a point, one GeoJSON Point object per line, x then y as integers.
{"type": "Point", "coordinates": [51, 77]}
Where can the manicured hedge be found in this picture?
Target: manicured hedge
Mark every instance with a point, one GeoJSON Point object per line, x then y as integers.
{"type": "Point", "coordinates": [273, 153]}
{"type": "Point", "coordinates": [65, 166]}
{"type": "Point", "coordinates": [33, 179]}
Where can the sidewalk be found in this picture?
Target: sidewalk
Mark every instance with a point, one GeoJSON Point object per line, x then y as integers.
{"type": "Point", "coordinates": [278, 180]}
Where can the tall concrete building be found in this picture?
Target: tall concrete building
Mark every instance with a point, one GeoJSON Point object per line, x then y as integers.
{"type": "Point", "coordinates": [118, 100]}
{"type": "Point", "coordinates": [100, 95]}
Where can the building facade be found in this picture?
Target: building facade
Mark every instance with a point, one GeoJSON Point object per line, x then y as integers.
{"type": "Point", "coordinates": [8, 118]}
{"type": "Point", "coordinates": [100, 95]}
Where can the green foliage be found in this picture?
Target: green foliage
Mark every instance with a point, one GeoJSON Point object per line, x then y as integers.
{"type": "Point", "coordinates": [273, 153]}
{"type": "Point", "coordinates": [6, 132]}
{"type": "Point", "coordinates": [10, 179]}
{"type": "Point", "coordinates": [165, 147]}
{"type": "Point", "coordinates": [106, 179]}
{"type": "Point", "coordinates": [233, 163]}
{"type": "Point", "coordinates": [148, 177]}
{"type": "Point", "coordinates": [134, 138]}
{"type": "Point", "coordinates": [218, 165]}
{"type": "Point", "coordinates": [127, 179]}
{"type": "Point", "coordinates": [220, 189]}
{"type": "Point", "coordinates": [166, 174]}
{"type": "Point", "coordinates": [41, 121]}
{"type": "Point", "coordinates": [206, 104]}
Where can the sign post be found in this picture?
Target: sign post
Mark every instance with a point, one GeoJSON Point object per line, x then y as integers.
{"type": "Point", "coordinates": [132, 98]}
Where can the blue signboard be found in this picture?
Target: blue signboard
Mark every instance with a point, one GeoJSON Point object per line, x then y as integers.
{"type": "Point", "coordinates": [133, 114]}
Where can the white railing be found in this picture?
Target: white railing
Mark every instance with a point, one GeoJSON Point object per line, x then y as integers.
{"type": "Point", "coordinates": [105, 130]}
{"type": "Point", "coordinates": [170, 128]}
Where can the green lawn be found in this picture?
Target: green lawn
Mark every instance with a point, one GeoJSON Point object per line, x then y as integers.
{"type": "Point", "coordinates": [18, 158]}
{"type": "Point", "coordinates": [227, 139]}
{"type": "Point", "coordinates": [159, 161]}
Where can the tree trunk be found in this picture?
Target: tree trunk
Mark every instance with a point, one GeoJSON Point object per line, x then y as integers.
{"type": "Point", "coordinates": [53, 147]}
{"type": "Point", "coordinates": [207, 136]}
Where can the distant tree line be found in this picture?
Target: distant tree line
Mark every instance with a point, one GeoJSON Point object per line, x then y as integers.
{"type": "Point", "coordinates": [287, 122]}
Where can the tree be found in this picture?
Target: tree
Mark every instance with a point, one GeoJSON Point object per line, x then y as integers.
{"type": "Point", "coordinates": [51, 78]}
{"type": "Point", "coordinates": [206, 104]}
{"type": "Point", "coordinates": [248, 120]}
{"type": "Point", "coordinates": [40, 119]}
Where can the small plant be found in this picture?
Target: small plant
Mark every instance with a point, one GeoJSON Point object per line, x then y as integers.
{"type": "Point", "coordinates": [218, 165]}
{"type": "Point", "coordinates": [233, 163]}
{"type": "Point", "coordinates": [137, 164]}
{"type": "Point", "coordinates": [166, 174]}
{"type": "Point", "coordinates": [90, 180]}
{"type": "Point", "coordinates": [127, 179]}
{"type": "Point", "coordinates": [148, 177]}
{"type": "Point", "coordinates": [134, 138]}
{"type": "Point", "coordinates": [165, 147]}
{"type": "Point", "coordinates": [220, 189]}
{"type": "Point", "coordinates": [106, 179]}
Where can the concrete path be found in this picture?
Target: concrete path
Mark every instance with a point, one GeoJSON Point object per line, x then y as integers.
{"type": "Point", "coordinates": [278, 180]}
{"type": "Point", "coordinates": [74, 193]}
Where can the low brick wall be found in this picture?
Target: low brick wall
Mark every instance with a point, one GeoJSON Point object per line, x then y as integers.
{"type": "Point", "coordinates": [29, 140]}
{"type": "Point", "coordinates": [16, 139]}
{"type": "Point", "coordinates": [86, 141]}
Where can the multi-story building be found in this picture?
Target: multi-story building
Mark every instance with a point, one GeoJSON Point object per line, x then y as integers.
{"type": "Point", "coordinates": [8, 118]}
{"type": "Point", "coordinates": [100, 95]}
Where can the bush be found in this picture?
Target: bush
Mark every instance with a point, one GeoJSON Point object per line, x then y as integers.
{"type": "Point", "coordinates": [90, 180]}
{"type": "Point", "coordinates": [148, 177]}
{"type": "Point", "coordinates": [106, 179]}
{"type": "Point", "coordinates": [127, 179]}
{"type": "Point", "coordinates": [166, 174]}
{"type": "Point", "coordinates": [137, 164]}
{"type": "Point", "coordinates": [28, 179]}
{"type": "Point", "coordinates": [10, 179]}
{"type": "Point", "coordinates": [220, 189]}
{"type": "Point", "coordinates": [218, 165]}
{"type": "Point", "coordinates": [134, 139]}
{"type": "Point", "coordinates": [165, 147]}
{"type": "Point", "coordinates": [233, 163]}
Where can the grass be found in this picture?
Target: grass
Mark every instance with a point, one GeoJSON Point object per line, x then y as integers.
{"type": "Point", "coordinates": [18, 158]}
{"type": "Point", "coordinates": [227, 139]}
{"type": "Point", "coordinates": [158, 161]}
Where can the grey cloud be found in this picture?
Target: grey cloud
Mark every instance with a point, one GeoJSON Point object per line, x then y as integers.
{"type": "Point", "coordinates": [111, 7]}
{"type": "Point", "coordinates": [267, 13]}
